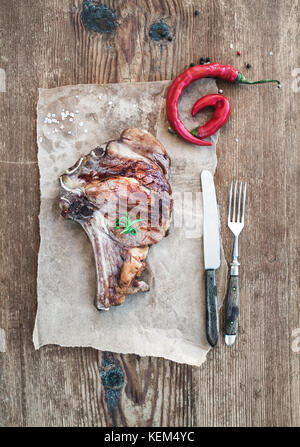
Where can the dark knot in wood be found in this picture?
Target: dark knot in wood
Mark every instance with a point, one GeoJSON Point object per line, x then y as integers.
{"type": "Point", "coordinates": [98, 17]}
{"type": "Point", "coordinates": [112, 378]}
{"type": "Point", "coordinates": [159, 31]}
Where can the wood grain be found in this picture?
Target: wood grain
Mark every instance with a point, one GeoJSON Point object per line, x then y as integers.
{"type": "Point", "coordinates": [44, 44]}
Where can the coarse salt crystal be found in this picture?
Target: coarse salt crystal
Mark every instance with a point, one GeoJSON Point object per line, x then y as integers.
{"type": "Point", "coordinates": [271, 53]}
{"type": "Point", "coordinates": [110, 103]}
{"type": "Point", "coordinates": [71, 119]}
{"type": "Point", "coordinates": [231, 45]}
{"type": "Point", "coordinates": [69, 132]}
{"type": "Point", "coordinates": [99, 97]}
{"type": "Point", "coordinates": [81, 124]}
{"type": "Point", "coordinates": [85, 130]}
{"type": "Point", "coordinates": [53, 114]}
{"type": "Point", "coordinates": [77, 111]}
{"type": "Point", "coordinates": [72, 114]}
{"type": "Point", "coordinates": [41, 139]}
{"type": "Point", "coordinates": [62, 126]}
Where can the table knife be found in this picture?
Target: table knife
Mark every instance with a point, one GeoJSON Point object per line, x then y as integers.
{"type": "Point", "coordinates": [211, 248]}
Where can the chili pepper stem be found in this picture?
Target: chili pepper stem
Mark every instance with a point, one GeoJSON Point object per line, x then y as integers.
{"type": "Point", "coordinates": [242, 80]}
{"type": "Point", "coordinates": [172, 132]}
{"type": "Point", "coordinates": [192, 132]}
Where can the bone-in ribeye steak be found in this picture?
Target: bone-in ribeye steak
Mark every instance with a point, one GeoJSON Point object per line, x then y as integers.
{"type": "Point", "coordinates": [126, 175]}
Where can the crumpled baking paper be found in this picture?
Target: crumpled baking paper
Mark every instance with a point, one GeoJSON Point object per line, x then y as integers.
{"type": "Point", "coordinates": [169, 320]}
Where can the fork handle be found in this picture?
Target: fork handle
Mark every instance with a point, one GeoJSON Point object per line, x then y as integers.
{"type": "Point", "coordinates": [232, 309]}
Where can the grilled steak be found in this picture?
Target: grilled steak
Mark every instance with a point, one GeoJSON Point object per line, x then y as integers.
{"type": "Point", "coordinates": [120, 195]}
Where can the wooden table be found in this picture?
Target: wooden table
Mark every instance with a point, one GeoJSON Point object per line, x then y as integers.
{"type": "Point", "coordinates": [44, 44]}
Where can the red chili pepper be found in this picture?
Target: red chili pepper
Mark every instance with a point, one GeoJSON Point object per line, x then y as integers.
{"type": "Point", "coordinates": [216, 70]}
{"type": "Point", "coordinates": [220, 117]}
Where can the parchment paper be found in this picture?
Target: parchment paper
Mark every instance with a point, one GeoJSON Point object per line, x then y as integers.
{"type": "Point", "coordinates": [168, 321]}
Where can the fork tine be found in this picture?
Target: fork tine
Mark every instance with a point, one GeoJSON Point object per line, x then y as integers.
{"type": "Point", "coordinates": [238, 217]}
{"type": "Point", "coordinates": [244, 202]}
{"type": "Point", "coordinates": [230, 199]}
{"type": "Point", "coordinates": [234, 202]}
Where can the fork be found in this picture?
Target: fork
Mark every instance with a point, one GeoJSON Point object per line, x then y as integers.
{"type": "Point", "coordinates": [236, 215]}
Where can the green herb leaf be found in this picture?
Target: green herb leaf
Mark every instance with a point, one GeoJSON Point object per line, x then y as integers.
{"type": "Point", "coordinates": [124, 222]}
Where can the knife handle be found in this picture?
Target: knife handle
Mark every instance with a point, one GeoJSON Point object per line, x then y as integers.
{"type": "Point", "coordinates": [212, 315]}
{"type": "Point", "coordinates": [232, 306]}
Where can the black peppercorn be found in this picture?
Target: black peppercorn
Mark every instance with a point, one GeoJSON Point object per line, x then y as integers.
{"type": "Point", "coordinates": [192, 65]}
{"type": "Point", "coordinates": [207, 59]}
{"type": "Point", "coordinates": [170, 38]}
{"type": "Point", "coordinates": [197, 12]}
{"type": "Point", "coordinates": [202, 60]}
{"type": "Point", "coordinates": [248, 66]}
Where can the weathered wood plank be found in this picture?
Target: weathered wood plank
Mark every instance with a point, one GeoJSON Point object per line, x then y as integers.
{"type": "Point", "coordinates": [44, 44]}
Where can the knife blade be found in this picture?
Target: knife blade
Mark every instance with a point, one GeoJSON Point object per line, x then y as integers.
{"type": "Point", "coordinates": [211, 248]}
